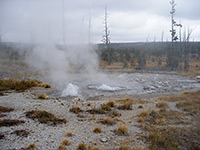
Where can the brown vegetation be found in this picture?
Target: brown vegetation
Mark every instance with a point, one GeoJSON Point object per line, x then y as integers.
{"type": "Point", "coordinates": [96, 111]}
{"type": "Point", "coordinates": [22, 133]}
{"type": "Point", "coordinates": [107, 121]}
{"type": "Point", "coordinates": [75, 109]}
{"type": "Point", "coordinates": [187, 101]}
{"type": "Point", "coordinates": [43, 96]}
{"type": "Point", "coordinates": [5, 109]}
{"type": "Point", "coordinates": [122, 130]}
{"type": "Point", "coordinates": [97, 130]}
{"type": "Point", "coordinates": [10, 122]}
{"type": "Point", "coordinates": [125, 106]}
{"type": "Point", "coordinates": [44, 117]}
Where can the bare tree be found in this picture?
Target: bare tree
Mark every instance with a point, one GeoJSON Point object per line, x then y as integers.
{"type": "Point", "coordinates": [106, 36]}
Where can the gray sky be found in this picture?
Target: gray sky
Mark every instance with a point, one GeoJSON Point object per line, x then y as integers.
{"type": "Point", "coordinates": [129, 20]}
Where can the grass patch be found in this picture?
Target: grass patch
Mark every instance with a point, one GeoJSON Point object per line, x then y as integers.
{"type": "Point", "coordinates": [107, 121]}
{"type": "Point", "coordinates": [172, 138]}
{"type": "Point", "coordinates": [96, 111]}
{"type": "Point", "coordinates": [111, 103]}
{"type": "Point", "coordinates": [65, 142]}
{"type": "Point", "coordinates": [106, 107]}
{"type": "Point", "coordinates": [122, 130]}
{"type": "Point", "coordinates": [130, 100]}
{"type": "Point", "coordinates": [10, 122]}
{"type": "Point", "coordinates": [30, 147]}
{"type": "Point", "coordinates": [5, 109]}
{"type": "Point", "coordinates": [124, 147]}
{"type": "Point", "coordinates": [69, 133]}
{"type": "Point", "coordinates": [43, 96]}
{"type": "Point", "coordinates": [20, 85]}
{"type": "Point", "coordinates": [22, 133]}
{"type": "Point", "coordinates": [44, 117]}
{"type": "Point", "coordinates": [162, 105]}
{"type": "Point", "coordinates": [82, 146]}
{"type": "Point", "coordinates": [17, 85]}
{"type": "Point", "coordinates": [97, 130]}
{"type": "Point", "coordinates": [75, 109]}
{"type": "Point", "coordinates": [187, 101]}
{"type": "Point", "coordinates": [125, 106]}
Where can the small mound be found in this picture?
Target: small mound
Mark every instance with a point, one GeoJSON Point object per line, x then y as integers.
{"type": "Point", "coordinates": [44, 117]}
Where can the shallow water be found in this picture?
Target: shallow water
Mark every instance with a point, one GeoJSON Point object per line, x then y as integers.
{"type": "Point", "coordinates": [85, 86]}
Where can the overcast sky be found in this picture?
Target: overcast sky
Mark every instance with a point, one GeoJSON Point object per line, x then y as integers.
{"type": "Point", "coordinates": [129, 20]}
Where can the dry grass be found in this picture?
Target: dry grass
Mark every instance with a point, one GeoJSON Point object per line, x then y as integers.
{"type": "Point", "coordinates": [69, 133]}
{"type": "Point", "coordinates": [17, 85]}
{"type": "Point", "coordinates": [22, 133]}
{"type": "Point", "coordinates": [144, 113]}
{"type": "Point", "coordinates": [111, 103]}
{"type": "Point", "coordinates": [106, 107]}
{"type": "Point", "coordinates": [44, 85]}
{"type": "Point", "coordinates": [125, 106]}
{"type": "Point", "coordinates": [30, 147]}
{"type": "Point", "coordinates": [44, 117]}
{"type": "Point", "coordinates": [162, 105]}
{"type": "Point", "coordinates": [172, 138]}
{"type": "Point", "coordinates": [97, 130]}
{"type": "Point", "coordinates": [107, 121]}
{"type": "Point", "coordinates": [130, 100]}
{"type": "Point", "coordinates": [124, 147]}
{"type": "Point", "coordinates": [187, 101]}
{"type": "Point", "coordinates": [5, 109]}
{"type": "Point", "coordinates": [82, 146]}
{"type": "Point", "coordinates": [96, 111]}
{"type": "Point", "coordinates": [140, 106]}
{"type": "Point", "coordinates": [65, 142]}
{"type": "Point", "coordinates": [140, 119]}
{"type": "Point", "coordinates": [43, 96]}
{"type": "Point", "coordinates": [122, 130]}
{"type": "Point", "coordinates": [10, 122]}
{"type": "Point", "coordinates": [75, 109]}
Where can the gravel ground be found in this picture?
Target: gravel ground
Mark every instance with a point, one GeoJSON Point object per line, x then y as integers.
{"type": "Point", "coordinates": [48, 137]}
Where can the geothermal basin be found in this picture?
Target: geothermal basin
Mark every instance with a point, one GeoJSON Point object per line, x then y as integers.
{"type": "Point", "coordinates": [86, 86]}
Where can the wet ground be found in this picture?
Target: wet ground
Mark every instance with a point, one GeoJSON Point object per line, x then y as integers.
{"type": "Point", "coordinates": [85, 86]}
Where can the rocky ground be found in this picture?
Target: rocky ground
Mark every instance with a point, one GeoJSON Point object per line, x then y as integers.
{"type": "Point", "coordinates": [81, 123]}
